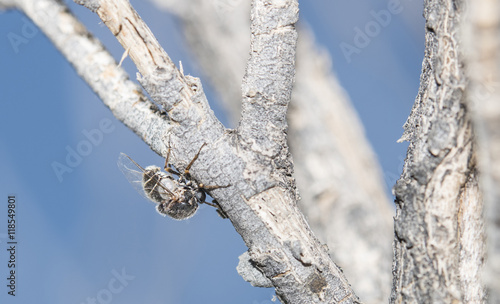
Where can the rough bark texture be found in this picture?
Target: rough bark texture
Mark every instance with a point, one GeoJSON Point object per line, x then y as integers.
{"type": "Point", "coordinates": [261, 201]}
{"type": "Point", "coordinates": [438, 230]}
{"type": "Point", "coordinates": [267, 87]}
{"type": "Point", "coordinates": [340, 184]}
{"type": "Point", "coordinates": [99, 69]}
{"type": "Point", "coordinates": [439, 238]}
{"type": "Point", "coordinates": [218, 33]}
{"type": "Point", "coordinates": [482, 37]}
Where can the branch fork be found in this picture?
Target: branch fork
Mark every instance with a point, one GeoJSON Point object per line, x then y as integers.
{"type": "Point", "coordinates": [254, 159]}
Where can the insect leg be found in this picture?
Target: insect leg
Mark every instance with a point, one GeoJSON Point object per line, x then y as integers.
{"type": "Point", "coordinates": [206, 187]}
{"type": "Point", "coordinates": [219, 210]}
{"type": "Point", "coordinates": [186, 171]}
{"type": "Point", "coordinates": [169, 169]}
{"type": "Point", "coordinates": [167, 166]}
{"type": "Point", "coordinates": [211, 204]}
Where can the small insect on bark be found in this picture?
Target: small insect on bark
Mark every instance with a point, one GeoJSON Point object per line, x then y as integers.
{"type": "Point", "coordinates": [178, 198]}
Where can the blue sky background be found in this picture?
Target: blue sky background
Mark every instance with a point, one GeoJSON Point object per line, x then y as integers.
{"type": "Point", "coordinates": [75, 235]}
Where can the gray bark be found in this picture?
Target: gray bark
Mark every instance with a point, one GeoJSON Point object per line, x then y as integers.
{"type": "Point", "coordinates": [438, 225]}
{"type": "Point", "coordinates": [481, 33]}
{"type": "Point", "coordinates": [338, 176]}
{"type": "Point", "coordinates": [98, 68]}
{"type": "Point", "coordinates": [261, 201]}
{"type": "Point", "coordinates": [439, 247]}
{"type": "Point", "coordinates": [218, 33]}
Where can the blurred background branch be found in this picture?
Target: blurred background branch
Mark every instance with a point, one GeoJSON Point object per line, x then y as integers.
{"type": "Point", "coordinates": [481, 35]}
{"type": "Point", "coordinates": [338, 175]}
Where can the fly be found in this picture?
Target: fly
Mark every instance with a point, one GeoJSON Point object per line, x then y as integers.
{"type": "Point", "coordinates": [178, 198]}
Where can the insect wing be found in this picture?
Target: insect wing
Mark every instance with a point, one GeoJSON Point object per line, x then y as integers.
{"type": "Point", "coordinates": [132, 173]}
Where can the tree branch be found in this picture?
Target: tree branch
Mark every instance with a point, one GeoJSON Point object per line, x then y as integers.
{"type": "Point", "coordinates": [218, 33]}
{"type": "Point", "coordinates": [267, 86]}
{"type": "Point", "coordinates": [438, 200]}
{"type": "Point", "coordinates": [338, 175]}
{"type": "Point", "coordinates": [340, 183]}
{"type": "Point", "coordinates": [98, 68]}
{"type": "Point", "coordinates": [439, 248]}
{"type": "Point", "coordinates": [481, 35]}
{"type": "Point", "coordinates": [261, 207]}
